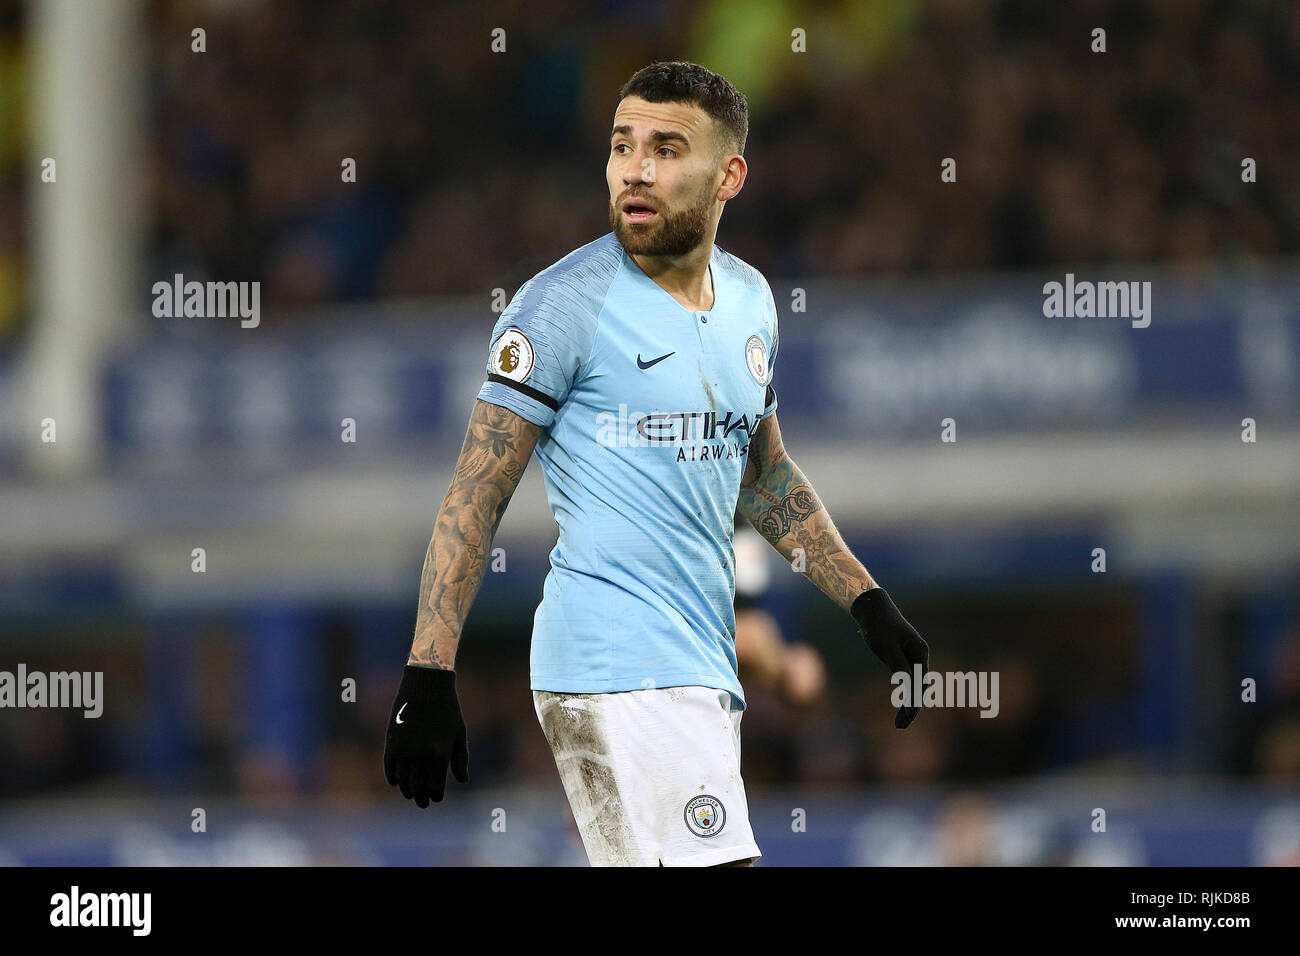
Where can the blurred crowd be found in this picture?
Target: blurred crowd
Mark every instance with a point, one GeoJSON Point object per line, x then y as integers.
{"type": "Point", "coordinates": [828, 731]}
{"type": "Point", "coordinates": [475, 169]}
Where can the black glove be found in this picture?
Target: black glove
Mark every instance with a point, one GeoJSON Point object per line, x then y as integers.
{"type": "Point", "coordinates": [426, 732]}
{"type": "Point", "coordinates": [891, 639]}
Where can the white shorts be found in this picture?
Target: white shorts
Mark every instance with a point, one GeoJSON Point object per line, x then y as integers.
{"type": "Point", "coordinates": [652, 776]}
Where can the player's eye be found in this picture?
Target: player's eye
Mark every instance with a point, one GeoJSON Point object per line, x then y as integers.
{"type": "Point", "coordinates": [668, 149]}
{"type": "Point", "coordinates": [618, 146]}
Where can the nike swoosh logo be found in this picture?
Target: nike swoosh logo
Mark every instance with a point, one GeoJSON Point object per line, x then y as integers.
{"type": "Point", "coordinates": [399, 712]}
{"type": "Point", "coordinates": [645, 365]}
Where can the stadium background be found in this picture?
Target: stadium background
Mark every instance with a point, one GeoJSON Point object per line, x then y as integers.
{"type": "Point", "coordinates": [475, 169]}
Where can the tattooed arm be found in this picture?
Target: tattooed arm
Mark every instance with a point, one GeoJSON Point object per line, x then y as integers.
{"type": "Point", "coordinates": [778, 501]}
{"type": "Point", "coordinates": [492, 460]}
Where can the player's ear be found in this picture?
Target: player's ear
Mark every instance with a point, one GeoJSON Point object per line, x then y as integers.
{"type": "Point", "coordinates": [733, 178]}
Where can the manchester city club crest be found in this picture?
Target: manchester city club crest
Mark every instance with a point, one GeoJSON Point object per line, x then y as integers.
{"type": "Point", "coordinates": [756, 359]}
{"type": "Point", "coordinates": [705, 815]}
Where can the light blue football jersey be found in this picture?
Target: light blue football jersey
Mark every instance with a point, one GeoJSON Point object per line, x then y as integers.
{"type": "Point", "coordinates": [648, 409]}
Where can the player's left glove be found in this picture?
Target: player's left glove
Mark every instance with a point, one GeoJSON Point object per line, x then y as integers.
{"type": "Point", "coordinates": [891, 639]}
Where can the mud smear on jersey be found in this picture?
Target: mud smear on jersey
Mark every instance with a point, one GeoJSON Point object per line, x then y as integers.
{"type": "Point", "coordinates": [704, 380]}
{"type": "Point", "coordinates": [581, 752]}
{"type": "Point", "coordinates": [713, 405]}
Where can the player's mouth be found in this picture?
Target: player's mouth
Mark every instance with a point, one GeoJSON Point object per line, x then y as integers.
{"type": "Point", "coordinates": [638, 210]}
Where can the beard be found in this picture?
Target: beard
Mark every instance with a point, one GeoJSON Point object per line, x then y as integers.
{"type": "Point", "coordinates": [668, 234]}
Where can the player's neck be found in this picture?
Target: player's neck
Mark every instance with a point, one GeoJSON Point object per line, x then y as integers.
{"type": "Point", "coordinates": [685, 278]}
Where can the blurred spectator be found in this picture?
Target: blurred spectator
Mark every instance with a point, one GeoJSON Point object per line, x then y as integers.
{"type": "Point", "coordinates": [795, 671]}
{"type": "Point", "coordinates": [1275, 747]}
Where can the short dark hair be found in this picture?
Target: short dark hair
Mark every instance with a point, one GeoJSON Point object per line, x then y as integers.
{"type": "Point", "coordinates": [677, 81]}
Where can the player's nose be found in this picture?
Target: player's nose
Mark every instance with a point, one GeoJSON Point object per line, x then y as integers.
{"type": "Point", "coordinates": [635, 171]}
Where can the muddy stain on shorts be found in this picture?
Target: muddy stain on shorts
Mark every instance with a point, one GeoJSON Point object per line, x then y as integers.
{"type": "Point", "coordinates": [573, 729]}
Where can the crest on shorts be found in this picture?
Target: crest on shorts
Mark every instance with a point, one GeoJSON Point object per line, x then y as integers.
{"type": "Point", "coordinates": [705, 815]}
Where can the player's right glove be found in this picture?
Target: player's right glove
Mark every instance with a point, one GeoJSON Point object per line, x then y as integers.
{"type": "Point", "coordinates": [892, 639]}
{"type": "Point", "coordinates": [426, 732]}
